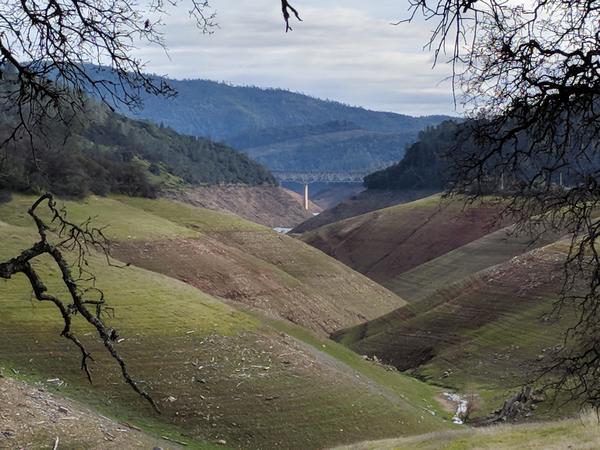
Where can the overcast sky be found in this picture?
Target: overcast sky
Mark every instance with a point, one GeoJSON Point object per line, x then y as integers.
{"type": "Point", "coordinates": [343, 50]}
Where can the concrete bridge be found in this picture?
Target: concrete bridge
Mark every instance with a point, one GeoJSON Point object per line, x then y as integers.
{"type": "Point", "coordinates": [306, 178]}
{"type": "Point", "coordinates": [321, 177]}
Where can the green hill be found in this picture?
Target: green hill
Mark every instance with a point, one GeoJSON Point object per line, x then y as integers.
{"type": "Point", "coordinates": [385, 243]}
{"type": "Point", "coordinates": [486, 333]}
{"type": "Point", "coordinates": [218, 372]}
{"type": "Point", "coordinates": [364, 202]}
{"type": "Point", "coordinates": [581, 433]}
{"type": "Point", "coordinates": [231, 258]}
{"type": "Point", "coordinates": [422, 166]}
{"type": "Point", "coordinates": [477, 294]}
{"type": "Point", "coordinates": [105, 152]}
{"type": "Point", "coordinates": [492, 249]}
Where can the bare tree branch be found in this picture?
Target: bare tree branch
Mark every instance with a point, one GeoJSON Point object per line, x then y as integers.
{"type": "Point", "coordinates": [54, 54]}
{"type": "Point", "coordinates": [529, 81]}
{"type": "Point", "coordinates": [82, 239]}
{"type": "Point", "coordinates": [286, 8]}
{"type": "Point", "coordinates": [48, 48]}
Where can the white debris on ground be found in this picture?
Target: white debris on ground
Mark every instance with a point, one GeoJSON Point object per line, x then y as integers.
{"type": "Point", "coordinates": [282, 230]}
{"type": "Point", "coordinates": [461, 407]}
{"type": "Point", "coordinates": [31, 417]}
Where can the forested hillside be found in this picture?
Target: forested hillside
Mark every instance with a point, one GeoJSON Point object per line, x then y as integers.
{"type": "Point", "coordinates": [310, 133]}
{"type": "Point", "coordinates": [337, 152]}
{"type": "Point", "coordinates": [422, 166]}
{"type": "Point", "coordinates": [106, 153]}
{"type": "Point", "coordinates": [221, 111]}
{"type": "Point", "coordinates": [260, 137]}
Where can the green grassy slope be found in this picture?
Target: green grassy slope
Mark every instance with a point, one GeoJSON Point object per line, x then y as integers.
{"type": "Point", "coordinates": [122, 221]}
{"type": "Point", "coordinates": [385, 243]}
{"type": "Point", "coordinates": [217, 372]}
{"type": "Point", "coordinates": [486, 333]}
{"type": "Point", "coordinates": [575, 434]}
{"type": "Point", "coordinates": [361, 203]}
{"type": "Point", "coordinates": [231, 258]}
{"type": "Point", "coordinates": [260, 268]}
{"type": "Point", "coordinates": [490, 250]}
{"type": "Point", "coordinates": [33, 418]}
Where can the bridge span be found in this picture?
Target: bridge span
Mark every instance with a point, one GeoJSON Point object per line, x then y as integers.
{"type": "Point", "coordinates": [306, 178]}
{"type": "Point", "coordinates": [321, 177]}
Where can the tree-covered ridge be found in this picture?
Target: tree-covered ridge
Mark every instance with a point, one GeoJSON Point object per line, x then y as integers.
{"type": "Point", "coordinates": [224, 112]}
{"type": "Point", "coordinates": [354, 150]}
{"type": "Point", "coordinates": [267, 136]}
{"type": "Point", "coordinates": [423, 166]}
{"type": "Point", "coordinates": [107, 152]}
{"type": "Point", "coordinates": [307, 131]}
{"type": "Point", "coordinates": [195, 160]}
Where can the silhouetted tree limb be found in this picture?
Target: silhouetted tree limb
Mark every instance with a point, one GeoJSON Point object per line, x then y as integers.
{"type": "Point", "coordinates": [82, 239]}
{"type": "Point", "coordinates": [528, 77]}
{"type": "Point", "coordinates": [46, 49]}
{"type": "Point", "coordinates": [287, 9]}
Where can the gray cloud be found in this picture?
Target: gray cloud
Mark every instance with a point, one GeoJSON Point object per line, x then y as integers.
{"type": "Point", "coordinates": [343, 51]}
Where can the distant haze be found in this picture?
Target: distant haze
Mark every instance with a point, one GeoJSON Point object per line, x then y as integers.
{"type": "Point", "coordinates": [343, 50]}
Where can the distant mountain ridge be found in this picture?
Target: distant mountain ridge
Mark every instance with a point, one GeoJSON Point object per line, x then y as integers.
{"type": "Point", "coordinates": [265, 136]}
{"type": "Point", "coordinates": [285, 130]}
{"type": "Point", "coordinates": [344, 151]}
{"type": "Point", "coordinates": [221, 111]}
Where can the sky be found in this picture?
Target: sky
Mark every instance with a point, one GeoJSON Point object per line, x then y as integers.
{"type": "Point", "coordinates": [347, 51]}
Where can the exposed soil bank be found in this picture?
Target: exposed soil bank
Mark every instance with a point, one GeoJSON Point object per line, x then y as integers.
{"type": "Point", "coordinates": [361, 203]}
{"type": "Point", "coordinates": [385, 243]}
{"type": "Point", "coordinates": [327, 195]}
{"type": "Point", "coordinates": [30, 417]}
{"type": "Point", "coordinates": [270, 272]}
{"type": "Point", "coordinates": [271, 206]}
